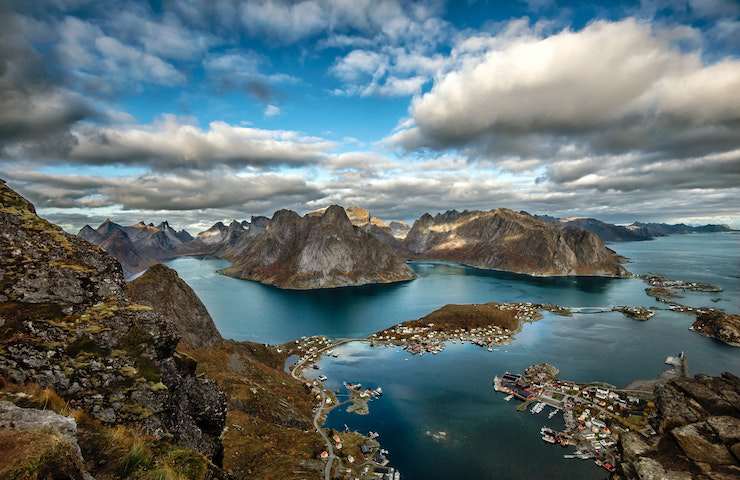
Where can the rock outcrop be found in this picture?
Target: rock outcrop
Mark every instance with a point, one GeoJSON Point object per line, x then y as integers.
{"type": "Point", "coordinates": [698, 425]}
{"type": "Point", "coordinates": [502, 239]}
{"type": "Point", "coordinates": [161, 288]}
{"type": "Point", "coordinates": [68, 326]}
{"type": "Point", "coordinates": [315, 251]}
{"type": "Point", "coordinates": [38, 444]}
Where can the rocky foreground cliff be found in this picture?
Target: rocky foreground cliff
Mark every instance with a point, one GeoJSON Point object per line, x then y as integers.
{"type": "Point", "coordinates": [502, 239]}
{"type": "Point", "coordinates": [69, 332]}
{"type": "Point", "coordinates": [698, 425]}
{"type": "Point", "coordinates": [317, 251]}
{"type": "Point", "coordinates": [103, 379]}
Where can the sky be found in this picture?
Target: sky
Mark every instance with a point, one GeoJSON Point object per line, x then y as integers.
{"type": "Point", "coordinates": [197, 111]}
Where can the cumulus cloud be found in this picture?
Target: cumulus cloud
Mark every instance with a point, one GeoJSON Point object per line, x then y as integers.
{"type": "Point", "coordinates": [181, 191]}
{"type": "Point", "coordinates": [172, 143]}
{"type": "Point", "coordinates": [602, 76]}
{"type": "Point", "coordinates": [589, 100]}
{"type": "Point", "coordinates": [34, 102]}
{"type": "Point", "coordinates": [242, 70]}
{"type": "Point", "coordinates": [287, 21]}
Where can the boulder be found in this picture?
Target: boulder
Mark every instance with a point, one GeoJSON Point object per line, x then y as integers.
{"type": "Point", "coordinates": [727, 428]}
{"type": "Point", "coordinates": [38, 444]}
{"type": "Point", "coordinates": [700, 444]}
{"type": "Point", "coordinates": [649, 469]}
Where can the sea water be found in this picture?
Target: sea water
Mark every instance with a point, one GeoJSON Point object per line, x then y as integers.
{"type": "Point", "coordinates": [452, 392]}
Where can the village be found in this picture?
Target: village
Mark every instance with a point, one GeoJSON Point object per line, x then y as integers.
{"type": "Point", "coordinates": [348, 454]}
{"type": "Point", "coordinates": [594, 414]}
{"type": "Point", "coordinates": [485, 325]}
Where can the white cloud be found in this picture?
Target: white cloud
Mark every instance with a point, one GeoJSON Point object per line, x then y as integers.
{"type": "Point", "coordinates": [610, 75]}
{"type": "Point", "coordinates": [173, 143]}
{"type": "Point", "coordinates": [272, 111]}
{"type": "Point", "coordinates": [104, 64]}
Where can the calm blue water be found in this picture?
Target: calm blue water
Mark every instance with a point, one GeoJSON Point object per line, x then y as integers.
{"type": "Point", "coordinates": [246, 310]}
{"type": "Point", "coordinates": [452, 392]}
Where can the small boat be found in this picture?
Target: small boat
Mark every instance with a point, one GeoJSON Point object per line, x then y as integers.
{"type": "Point", "coordinates": [323, 378]}
{"type": "Point", "coordinates": [548, 438]}
{"type": "Point", "coordinates": [508, 397]}
{"type": "Point", "coordinates": [553, 413]}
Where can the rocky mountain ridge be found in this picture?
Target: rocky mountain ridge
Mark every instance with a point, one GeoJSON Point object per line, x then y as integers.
{"type": "Point", "coordinates": [502, 239]}
{"type": "Point", "coordinates": [315, 251]}
{"type": "Point", "coordinates": [67, 327]}
{"type": "Point", "coordinates": [636, 231]}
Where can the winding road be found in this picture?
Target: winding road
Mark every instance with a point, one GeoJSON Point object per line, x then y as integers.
{"type": "Point", "coordinates": [319, 412]}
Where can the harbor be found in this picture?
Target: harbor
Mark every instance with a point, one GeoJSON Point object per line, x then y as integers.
{"type": "Point", "coordinates": [593, 414]}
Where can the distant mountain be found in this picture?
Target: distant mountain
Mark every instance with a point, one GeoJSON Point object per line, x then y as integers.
{"type": "Point", "coordinates": [137, 246]}
{"type": "Point", "coordinates": [319, 250]}
{"type": "Point", "coordinates": [502, 239]}
{"type": "Point", "coordinates": [630, 233]}
{"type": "Point", "coordinates": [399, 229]}
{"type": "Point", "coordinates": [607, 231]}
{"type": "Point", "coordinates": [663, 229]}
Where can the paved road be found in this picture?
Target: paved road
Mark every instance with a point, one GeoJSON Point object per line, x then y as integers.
{"type": "Point", "coordinates": [317, 417]}
{"type": "Point", "coordinates": [327, 440]}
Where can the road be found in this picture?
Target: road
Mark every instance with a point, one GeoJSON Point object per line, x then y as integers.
{"type": "Point", "coordinates": [319, 412]}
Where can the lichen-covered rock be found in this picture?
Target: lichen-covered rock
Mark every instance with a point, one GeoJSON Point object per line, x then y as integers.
{"type": "Point", "coordinates": [726, 427]}
{"type": "Point", "coordinates": [68, 325]}
{"type": "Point", "coordinates": [38, 444]}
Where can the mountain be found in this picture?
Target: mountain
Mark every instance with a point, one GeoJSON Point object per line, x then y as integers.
{"type": "Point", "coordinates": [399, 229]}
{"type": "Point", "coordinates": [357, 215]}
{"type": "Point", "coordinates": [71, 340]}
{"type": "Point", "coordinates": [103, 379]}
{"type": "Point", "coordinates": [137, 246]}
{"type": "Point", "coordinates": [317, 251]}
{"type": "Point", "coordinates": [161, 288]}
{"type": "Point", "coordinates": [607, 231]}
{"type": "Point", "coordinates": [630, 233]}
{"type": "Point", "coordinates": [663, 229]}
{"type": "Point", "coordinates": [502, 239]}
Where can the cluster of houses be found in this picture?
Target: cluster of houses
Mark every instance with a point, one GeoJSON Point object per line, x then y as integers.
{"type": "Point", "coordinates": [426, 339]}
{"type": "Point", "coordinates": [594, 414]}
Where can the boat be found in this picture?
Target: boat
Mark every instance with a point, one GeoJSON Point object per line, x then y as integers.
{"type": "Point", "coordinates": [548, 438]}
{"type": "Point", "coordinates": [553, 413]}
{"type": "Point", "coordinates": [508, 397]}
{"type": "Point", "coordinates": [539, 406]}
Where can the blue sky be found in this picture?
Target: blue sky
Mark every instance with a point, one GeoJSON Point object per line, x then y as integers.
{"type": "Point", "coordinates": [198, 111]}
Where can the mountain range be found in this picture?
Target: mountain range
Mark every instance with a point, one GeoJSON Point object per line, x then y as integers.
{"type": "Point", "coordinates": [338, 246]}
{"type": "Point", "coordinates": [635, 231]}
